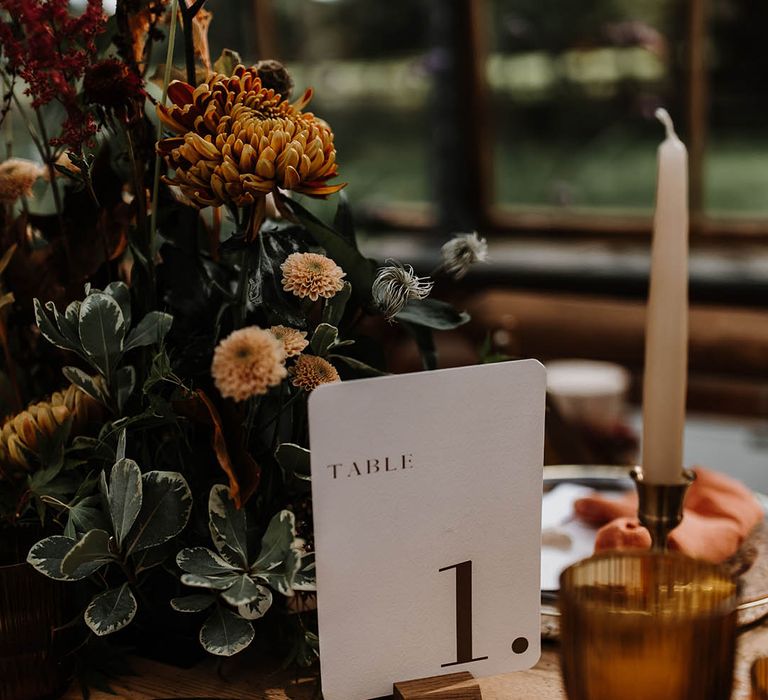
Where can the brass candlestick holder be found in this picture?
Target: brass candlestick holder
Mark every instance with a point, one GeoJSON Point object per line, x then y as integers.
{"type": "Point", "coordinates": [660, 508]}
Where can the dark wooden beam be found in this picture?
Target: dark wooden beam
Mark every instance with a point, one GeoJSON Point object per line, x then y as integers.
{"type": "Point", "coordinates": [698, 105]}
{"type": "Point", "coordinates": [461, 152]}
{"type": "Point", "coordinates": [265, 30]}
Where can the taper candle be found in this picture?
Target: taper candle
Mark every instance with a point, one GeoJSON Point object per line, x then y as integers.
{"type": "Point", "coordinates": [666, 335]}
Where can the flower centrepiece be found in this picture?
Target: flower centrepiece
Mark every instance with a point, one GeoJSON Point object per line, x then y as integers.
{"type": "Point", "coordinates": [247, 363]}
{"type": "Point", "coordinates": [312, 275]}
{"type": "Point", "coordinates": [294, 341]}
{"type": "Point", "coordinates": [238, 141]}
{"type": "Point", "coordinates": [309, 372]}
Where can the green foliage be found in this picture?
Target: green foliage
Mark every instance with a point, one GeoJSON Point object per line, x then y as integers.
{"type": "Point", "coordinates": [111, 610]}
{"type": "Point", "coordinates": [138, 514]}
{"type": "Point", "coordinates": [99, 331]}
{"type": "Point", "coordinates": [434, 314]}
{"type": "Point", "coordinates": [240, 586]}
{"type": "Point", "coordinates": [294, 460]}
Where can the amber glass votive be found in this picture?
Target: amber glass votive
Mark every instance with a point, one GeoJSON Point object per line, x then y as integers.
{"type": "Point", "coordinates": [646, 626]}
{"type": "Point", "coordinates": [759, 678]}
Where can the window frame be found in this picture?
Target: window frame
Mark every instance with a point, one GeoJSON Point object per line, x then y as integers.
{"type": "Point", "coordinates": [470, 203]}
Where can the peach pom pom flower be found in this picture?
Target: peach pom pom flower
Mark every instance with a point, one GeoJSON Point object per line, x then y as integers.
{"type": "Point", "coordinates": [310, 372]}
{"type": "Point", "coordinates": [247, 362]}
{"type": "Point", "coordinates": [294, 341]}
{"type": "Point", "coordinates": [312, 275]}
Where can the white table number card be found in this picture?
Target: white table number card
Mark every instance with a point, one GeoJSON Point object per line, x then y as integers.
{"type": "Point", "coordinates": [427, 495]}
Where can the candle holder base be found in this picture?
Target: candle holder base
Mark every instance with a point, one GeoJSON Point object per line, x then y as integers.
{"type": "Point", "coordinates": [660, 507]}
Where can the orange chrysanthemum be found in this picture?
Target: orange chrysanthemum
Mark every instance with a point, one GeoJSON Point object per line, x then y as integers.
{"type": "Point", "coordinates": [312, 275]}
{"type": "Point", "coordinates": [294, 341]}
{"type": "Point", "coordinates": [22, 434]}
{"type": "Point", "coordinates": [247, 362]}
{"type": "Point", "coordinates": [310, 371]}
{"type": "Point", "coordinates": [239, 141]}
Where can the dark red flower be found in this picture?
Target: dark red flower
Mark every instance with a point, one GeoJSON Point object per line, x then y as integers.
{"type": "Point", "coordinates": [115, 90]}
{"type": "Point", "coordinates": [50, 49]}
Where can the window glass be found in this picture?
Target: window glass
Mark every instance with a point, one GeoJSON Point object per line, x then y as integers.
{"type": "Point", "coordinates": [365, 60]}
{"type": "Point", "coordinates": [574, 84]}
{"type": "Point", "coordinates": [736, 158]}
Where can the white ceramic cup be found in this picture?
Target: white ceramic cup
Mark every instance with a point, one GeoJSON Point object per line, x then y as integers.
{"type": "Point", "coordinates": [588, 391]}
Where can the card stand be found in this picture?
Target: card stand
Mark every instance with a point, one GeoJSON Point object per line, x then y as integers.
{"type": "Point", "coordinates": [452, 686]}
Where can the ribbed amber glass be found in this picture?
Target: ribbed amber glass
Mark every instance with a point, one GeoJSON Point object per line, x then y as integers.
{"type": "Point", "coordinates": [759, 675]}
{"type": "Point", "coordinates": [646, 626]}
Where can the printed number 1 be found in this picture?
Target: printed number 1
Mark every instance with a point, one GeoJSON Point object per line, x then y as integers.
{"type": "Point", "coordinates": [463, 614]}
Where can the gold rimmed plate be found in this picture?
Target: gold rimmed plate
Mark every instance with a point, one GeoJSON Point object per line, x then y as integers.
{"type": "Point", "coordinates": [749, 564]}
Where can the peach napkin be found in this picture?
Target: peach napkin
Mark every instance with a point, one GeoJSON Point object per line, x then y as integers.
{"type": "Point", "coordinates": [719, 513]}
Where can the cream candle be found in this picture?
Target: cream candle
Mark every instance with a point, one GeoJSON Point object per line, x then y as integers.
{"type": "Point", "coordinates": [666, 336]}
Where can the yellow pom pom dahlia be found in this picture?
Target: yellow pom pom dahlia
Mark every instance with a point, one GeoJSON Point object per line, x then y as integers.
{"type": "Point", "coordinates": [237, 141]}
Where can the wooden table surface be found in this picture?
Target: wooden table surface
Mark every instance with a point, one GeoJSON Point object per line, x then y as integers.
{"type": "Point", "coordinates": [156, 681]}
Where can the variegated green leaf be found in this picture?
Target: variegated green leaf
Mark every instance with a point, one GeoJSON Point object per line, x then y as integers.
{"type": "Point", "coordinates": [85, 382]}
{"type": "Point", "coordinates": [93, 548]}
{"type": "Point", "coordinates": [323, 339]}
{"type": "Point", "coordinates": [294, 460]}
{"type": "Point", "coordinates": [433, 313]}
{"type": "Point", "coordinates": [305, 579]}
{"type": "Point", "coordinates": [124, 497]}
{"type": "Point", "coordinates": [224, 633]}
{"type": "Point", "coordinates": [309, 651]}
{"type": "Point", "coordinates": [193, 603]}
{"type": "Point", "coordinates": [166, 504]}
{"type": "Point", "coordinates": [256, 608]}
{"type": "Point", "coordinates": [121, 444]}
{"type": "Point", "coordinates": [282, 577]}
{"type": "Point", "coordinates": [85, 515]}
{"type": "Point", "coordinates": [68, 328]}
{"type": "Point", "coordinates": [102, 331]}
{"type": "Point", "coordinates": [200, 560]}
{"type": "Point", "coordinates": [46, 556]}
{"type": "Point", "coordinates": [120, 292]}
{"type": "Point", "coordinates": [277, 541]}
{"type": "Point", "coordinates": [242, 591]}
{"type": "Point", "coordinates": [228, 526]}
{"type": "Point", "coordinates": [334, 307]}
{"type": "Point", "coordinates": [218, 583]}
{"type": "Point", "coordinates": [150, 331]}
{"type": "Point", "coordinates": [125, 381]}
{"type": "Point", "coordinates": [49, 330]}
{"type": "Point", "coordinates": [110, 611]}
{"type": "Point", "coordinates": [72, 314]}
{"type": "Point", "coordinates": [154, 556]}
